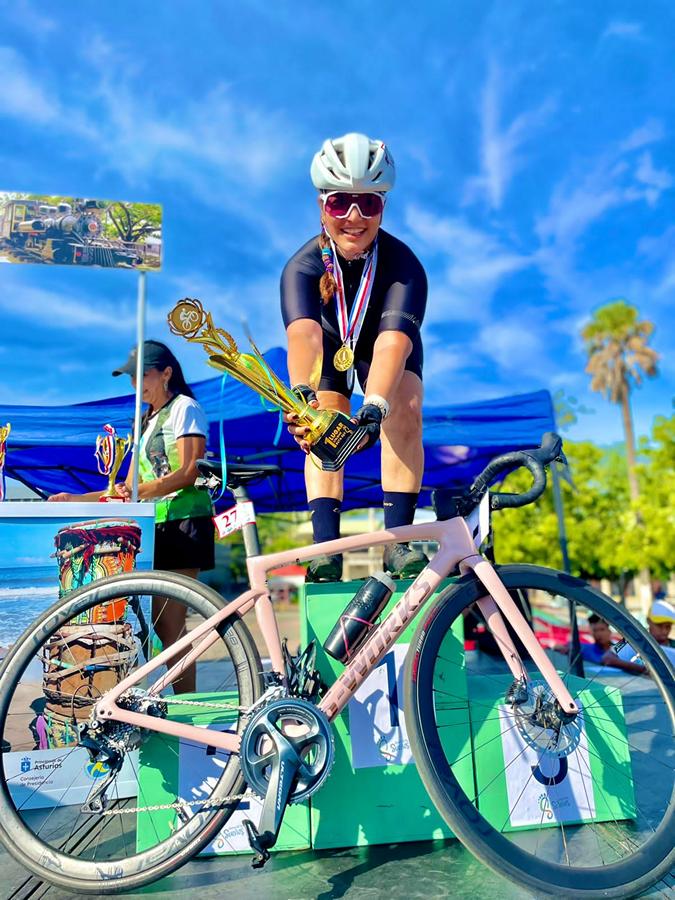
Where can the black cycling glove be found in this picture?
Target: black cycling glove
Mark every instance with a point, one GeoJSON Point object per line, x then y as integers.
{"type": "Point", "coordinates": [370, 418]}
{"type": "Point", "coordinates": [305, 392]}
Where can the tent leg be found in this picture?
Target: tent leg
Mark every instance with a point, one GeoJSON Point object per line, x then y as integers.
{"type": "Point", "coordinates": [140, 337]}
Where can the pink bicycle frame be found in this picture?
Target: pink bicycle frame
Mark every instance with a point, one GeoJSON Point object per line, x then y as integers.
{"type": "Point", "coordinates": [456, 548]}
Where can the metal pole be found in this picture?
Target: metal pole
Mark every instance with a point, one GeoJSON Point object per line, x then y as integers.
{"type": "Point", "coordinates": [577, 663]}
{"type": "Point", "coordinates": [558, 503]}
{"type": "Point", "coordinates": [140, 337]}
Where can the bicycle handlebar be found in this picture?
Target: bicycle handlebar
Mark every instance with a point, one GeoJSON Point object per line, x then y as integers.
{"type": "Point", "coordinates": [533, 460]}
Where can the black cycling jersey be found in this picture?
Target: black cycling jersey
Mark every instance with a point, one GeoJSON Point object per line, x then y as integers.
{"type": "Point", "coordinates": [397, 303]}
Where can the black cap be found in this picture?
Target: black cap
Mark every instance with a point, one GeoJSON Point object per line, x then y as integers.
{"type": "Point", "coordinates": [155, 356]}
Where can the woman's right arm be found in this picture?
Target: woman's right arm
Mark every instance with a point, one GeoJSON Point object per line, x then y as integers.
{"type": "Point", "coordinates": [123, 490]}
{"type": "Point", "coordinates": [305, 350]}
{"type": "Point", "coordinates": [65, 497]}
{"type": "Point", "coordinates": [301, 312]}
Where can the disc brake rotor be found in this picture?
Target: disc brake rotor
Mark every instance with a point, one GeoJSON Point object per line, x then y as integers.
{"type": "Point", "coordinates": [542, 724]}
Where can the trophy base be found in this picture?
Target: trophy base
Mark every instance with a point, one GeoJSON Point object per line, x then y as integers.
{"type": "Point", "coordinates": [338, 442]}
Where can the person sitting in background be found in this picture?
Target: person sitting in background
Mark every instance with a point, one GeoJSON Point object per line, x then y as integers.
{"type": "Point", "coordinates": [174, 430]}
{"type": "Point", "coordinates": [660, 622]}
{"type": "Point", "coordinates": [601, 651]}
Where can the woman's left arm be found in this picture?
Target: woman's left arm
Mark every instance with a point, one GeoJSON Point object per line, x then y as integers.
{"type": "Point", "coordinates": [390, 352]}
{"type": "Point", "coordinates": [400, 323]}
{"type": "Point", "coordinates": [190, 449]}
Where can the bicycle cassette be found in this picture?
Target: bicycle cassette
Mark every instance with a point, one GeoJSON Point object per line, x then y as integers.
{"type": "Point", "coordinates": [287, 724]}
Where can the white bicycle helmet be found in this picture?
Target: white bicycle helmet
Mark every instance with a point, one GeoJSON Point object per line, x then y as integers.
{"type": "Point", "coordinates": [353, 163]}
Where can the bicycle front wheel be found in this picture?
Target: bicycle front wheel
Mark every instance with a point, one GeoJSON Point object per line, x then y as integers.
{"type": "Point", "coordinates": [575, 807]}
{"type": "Point", "coordinates": [105, 807]}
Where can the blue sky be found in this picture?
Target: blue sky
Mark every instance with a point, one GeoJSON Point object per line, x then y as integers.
{"type": "Point", "coordinates": [534, 145]}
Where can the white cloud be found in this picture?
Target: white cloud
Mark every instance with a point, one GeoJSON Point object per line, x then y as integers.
{"type": "Point", "coordinates": [649, 133]}
{"type": "Point", "coordinates": [22, 97]}
{"type": "Point", "coordinates": [501, 144]}
{"type": "Point", "coordinates": [219, 148]}
{"type": "Point", "coordinates": [655, 180]}
{"type": "Point", "coordinates": [443, 359]}
{"type": "Point", "coordinates": [255, 302]}
{"type": "Point", "coordinates": [65, 312]}
{"type": "Point", "coordinates": [25, 16]}
{"type": "Point", "coordinates": [623, 29]}
{"type": "Point", "coordinates": [515, 345]}
{"type": "Point", "coordinates": [584, 197]}
{"type": "Point", "coordinates": [474, 262]}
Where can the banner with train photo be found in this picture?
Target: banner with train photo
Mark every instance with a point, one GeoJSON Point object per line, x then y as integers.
{"type": "Point", "coordinates": [75, 231]}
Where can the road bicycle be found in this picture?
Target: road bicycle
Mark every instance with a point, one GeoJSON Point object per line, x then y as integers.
{"type": "Point", "coordinates": [593, 817]}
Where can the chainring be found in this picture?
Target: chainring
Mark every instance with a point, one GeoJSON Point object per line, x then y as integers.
{"type": "Point", "coordinates": [302, 725]}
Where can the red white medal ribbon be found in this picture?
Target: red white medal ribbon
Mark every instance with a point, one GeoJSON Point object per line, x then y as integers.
{"type": "Point", "coordinates": [350, 325]}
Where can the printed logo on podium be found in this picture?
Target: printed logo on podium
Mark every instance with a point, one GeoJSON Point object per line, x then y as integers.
{"type": "Point", "coordinates": [543, 787]}
{"type": "Point", "coordinates": [376, 722]}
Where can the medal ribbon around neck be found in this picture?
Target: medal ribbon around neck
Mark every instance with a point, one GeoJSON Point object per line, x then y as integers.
{"type": "Point", "coordinates": [350, 327]}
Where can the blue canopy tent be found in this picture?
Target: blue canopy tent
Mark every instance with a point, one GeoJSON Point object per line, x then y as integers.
{"type": "Point", "coordinates": [51, 448]}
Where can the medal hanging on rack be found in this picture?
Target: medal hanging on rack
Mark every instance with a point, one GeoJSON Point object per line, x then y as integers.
{"type": "Point", "coordinates": [350, 325]}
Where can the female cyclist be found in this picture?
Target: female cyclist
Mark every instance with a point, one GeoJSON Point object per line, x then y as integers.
{"type": "Point", "coordinates": [174, 432]}
{"type": "Point", "coordinates": [353, 300]}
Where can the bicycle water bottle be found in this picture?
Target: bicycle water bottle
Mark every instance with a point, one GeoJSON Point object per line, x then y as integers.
{"type": "Point", "coordinates": [359, 616]}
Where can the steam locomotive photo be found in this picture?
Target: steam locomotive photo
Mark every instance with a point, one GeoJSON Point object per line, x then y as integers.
{"type": "Point", "coordinates": [70, 232]}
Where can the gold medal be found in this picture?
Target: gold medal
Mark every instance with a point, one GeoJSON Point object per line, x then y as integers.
{"type": "Point", "coordinates": [344, 358]}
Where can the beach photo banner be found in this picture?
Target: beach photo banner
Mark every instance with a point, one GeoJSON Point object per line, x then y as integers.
{"type": "Point", "coordinates": [74, 231]}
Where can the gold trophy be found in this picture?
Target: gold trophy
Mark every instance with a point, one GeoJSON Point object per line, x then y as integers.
{"type": "Point", "coordinates": [110, 452]}
{"type": "Point", "coordinates": [331, 435]}
{"type": "Point", "coordinates": [4, 434]}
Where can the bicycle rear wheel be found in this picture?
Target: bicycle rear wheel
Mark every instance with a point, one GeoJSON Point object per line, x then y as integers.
{"type": "Point", "coordinates": [153, 817]}
{"type": "Point", "coordinates": [582, 808]}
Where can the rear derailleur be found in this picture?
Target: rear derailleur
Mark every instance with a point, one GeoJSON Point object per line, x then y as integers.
{"type": "Point", "coordinates": [108, 742]}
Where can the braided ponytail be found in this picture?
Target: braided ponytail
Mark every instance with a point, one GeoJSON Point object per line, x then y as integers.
{"type": "Point", "coordinates": [327, 285]}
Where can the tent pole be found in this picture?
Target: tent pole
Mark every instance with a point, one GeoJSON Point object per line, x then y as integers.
{"type": "Point", "coordinates": [140, 337]}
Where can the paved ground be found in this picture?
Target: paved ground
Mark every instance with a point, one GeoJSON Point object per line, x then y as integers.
{"type": "Point", "coordinates": [398, 872]}
{"type": "Point", "coordinates": [404, 871]}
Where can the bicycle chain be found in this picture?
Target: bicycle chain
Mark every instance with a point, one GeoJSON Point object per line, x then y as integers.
{"type": "Point", "coordinates": [211, 705]}
{"type": "Point", "coordinates": [224, 801]}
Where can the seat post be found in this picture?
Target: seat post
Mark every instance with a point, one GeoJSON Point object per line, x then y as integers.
{"type": "Point", "coordinates": [248, 532]}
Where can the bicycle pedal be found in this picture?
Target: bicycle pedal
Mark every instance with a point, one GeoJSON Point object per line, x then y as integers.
{"type": "Point", "coordinates": [261, 853]}
{"type": "Point", "coordinates": [260, 859]}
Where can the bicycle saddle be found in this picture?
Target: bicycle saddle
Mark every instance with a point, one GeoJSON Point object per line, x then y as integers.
{"type": "Point", "coordinates": [237, 473]}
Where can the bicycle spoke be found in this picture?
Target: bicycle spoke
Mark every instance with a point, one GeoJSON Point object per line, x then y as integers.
{"type": "Point", "coordinates": [130, 769]}
{"type": "Point", "coordinates": [619, 745]}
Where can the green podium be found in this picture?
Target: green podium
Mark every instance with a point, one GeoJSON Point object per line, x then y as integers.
{"type": "Point", "coordinates": [374, 794]}
{"type": "Point", "coordinates": [519, 787]}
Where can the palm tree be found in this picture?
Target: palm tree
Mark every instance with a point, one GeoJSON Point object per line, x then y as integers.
{"type": "Point", "coordinates": [618, 359]}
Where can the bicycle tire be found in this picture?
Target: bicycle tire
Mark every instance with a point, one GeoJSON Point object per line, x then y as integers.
{"type": "Point", "coordinates": [628, 878]}
{"type": "Point", "coordinates": [80, 876]}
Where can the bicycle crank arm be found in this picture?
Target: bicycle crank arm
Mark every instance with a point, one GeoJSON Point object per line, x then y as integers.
{"type": "Point", "coordinates": [284, 770]}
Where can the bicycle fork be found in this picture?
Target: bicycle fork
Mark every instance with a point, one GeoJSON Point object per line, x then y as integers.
{"type": "Point", "coordinates": [498, 605]}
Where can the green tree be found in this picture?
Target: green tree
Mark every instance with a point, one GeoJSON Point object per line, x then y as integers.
{"type": "Point", "coordinates": [654, 540]}
{"type": "Point", "coordinates": [618, 358]}
{"type": "Point", "coordinates": [131, 222]}
{"type": "Point", "coordinates": [595, 514]}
